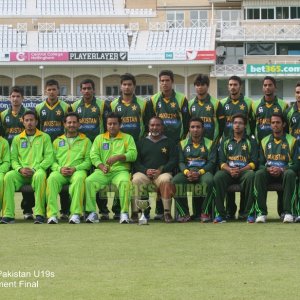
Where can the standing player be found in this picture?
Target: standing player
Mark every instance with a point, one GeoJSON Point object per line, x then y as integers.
{"type": "Point", "coordinates": [71, 164]}
{"type": "Point", "coordinates": [172, 107]}
{"type": "Point", "coordinates": [208, 108]}
{"type": "Point", "coordinates": [51, 114]}
{"type": "Point", "coordinates": [31, 156]}
{"type": "Point", "coordinates": [112, 154]}
{"type": "Point", "coordinates": [4, 165]}
{"type": "Point", "coordinates": [263, 110]}
{"type": "Point", "coordinates": [12, 125]}
{"type": "Point", "coordinates": [91, 113]}
{"type": "Point", "coordinates": [131, 109]}
{"type": "Point", "coordinates": [236, 103]}
{"type": "Point", "coordinates": [278, 162]}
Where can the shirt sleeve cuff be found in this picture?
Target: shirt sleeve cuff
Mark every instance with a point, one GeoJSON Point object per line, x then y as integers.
{"type": "Point", "coordinates": [201, 171]}
{"type": "Point", "coordinates": [252, 166]}
{"type": "Point", "coordinates": [185, 171]}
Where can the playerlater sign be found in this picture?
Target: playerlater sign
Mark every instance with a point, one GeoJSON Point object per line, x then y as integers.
{"type": "Point", "coordinates": [98, 56]}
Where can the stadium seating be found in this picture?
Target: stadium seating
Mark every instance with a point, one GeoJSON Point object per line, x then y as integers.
{"type": "Point", "coordinates": [12, 7]}
{"type": "Point", "coordinates": [11, 39]}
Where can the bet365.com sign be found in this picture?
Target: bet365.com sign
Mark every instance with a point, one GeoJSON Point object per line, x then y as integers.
{"type": "Point", "coordinates": [273, 69]}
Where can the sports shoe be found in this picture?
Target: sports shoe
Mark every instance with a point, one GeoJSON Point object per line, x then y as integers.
{"type": "Point", "coordinates": [134, 217]}
{"type": "Point", "coordinates": [184, 219]}
{"type": "Point", "coordinates": [250, 219]}
{"type": "Point", "coordinates": [297, 219]}
{"type": "Point", "coordinates": [39, 219]}
{"type": "Point", "coordinates": [261, 219]}
{"type": "Point", "coordinates": [28, 216]}
{"type": "Point", "coordinates": [205, 218]}
{"type": "Point", "coordinates": [116, 217]}
{"type": "Point", "coordinates": [52, 220]}
{"type": "Point", "coordinates": [124, 219]}
{"type": "Point", "coordinates": [75, 219]}
{"type": "Point", "coordinates": [219, 220]}
{"type": "Point", "coordinates": [230, 217]}
{"type": "Point", "coordinates": [158, 217]}
{"type": "Point", "coordinates": [92, 218]}
{"type": "Point", "coordinates": [104, 217]}
{"type": "Point", "coordinates": [168, 218]}
{"type": "Point", "coordinates": [7, 220]}
{"type": "Point", "coordinates": [64, 217]}
{"type": "Point", "coordinates": [288, 218]}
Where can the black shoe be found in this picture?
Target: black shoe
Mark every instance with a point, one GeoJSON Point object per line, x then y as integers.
{"type": "Point", "coordinates": [39, 220]}
{"type": "Point", "coordinates": [7, 220]}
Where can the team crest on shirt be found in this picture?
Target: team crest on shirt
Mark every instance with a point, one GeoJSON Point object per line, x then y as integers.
{"type": "Point", "coordinates": [242, 107]}
{"type": "Point", "coordinates": [276, 109]}
{"type": "Point", "coordinates": [105, 146]}
{"type": "Point", "coordinates": [188, 149]}
{"type": "Point", "coordinates": [193, 108]}
{"type": "Point", "coordinates": [269, 146]}
{"type": "Point", "coordinates": [173, 104]}
{"type": "Point", "coordinates": [284, 146]}
{"type": "Point", "coordinates": [44, 112]}
{"type": "Point", "coordinates": [227, 107]}
{"type": "Point", "coordinates": [244, 147]}
{"type": "Point", "coordinates": [24, 144]}
{"type": "Point", "coordinates": [58, 112]}
{"type": "Point", "coordinates": [119, 108]}
{"type": "Point", "coordinates": [164, 150]}
{"type": "Point", "coordinates": [208, 108]}
{"type": "Point", "coordinates": [134, 107]}
{"type": "Point", "coordinates": [94, 109]}
{"type": "Point", "coordinates": [61, 143]}
{"type": "Point", "coordinates": [230, 147]}
{"type": "Point", "coordinates": [260, 109]}
{"type": "Point", "coordinates": [202, 149]}
{"type": "Point", "coordinates": [294, 120]}
{"type": "Point", "coordinates": [7, 119]}
{"type": "Point", "coordinates": [79, 110]}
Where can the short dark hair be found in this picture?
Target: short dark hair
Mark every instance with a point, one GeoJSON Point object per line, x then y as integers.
{"type": "Point", "coordinates": [166, 73]}
{"type": "Point", "coordinates": [128, 76]}
{"type": "Point", "coordinates": [157, 118]}
{"type": "Point", "coordinates": [236, 78]}
{"type": "Point", "coordinates": [87, 81]}
{"type": "Point", "coordinates": [113, 115]}
{"type": "Point", "coordinates": [51, 82]}
{"type": "Point", "coordinates": [270, 78]}
{"type": "Point", "coordinates": [298, 83]}
{"type": "Point", "coordinates": [16, 89]}
{"type": "Point", "coordinates": [30, 112]}
{"type": "Point", "coordinates": [201, 79]}
{"type": "Point", "coordinates": [71, 114]}
{"type": "Point", "coordinates": [279, 115]}
{"type": "Point", "coordinates": [241, 116]}
{"type": "Point", "coordinates": [196, 119]}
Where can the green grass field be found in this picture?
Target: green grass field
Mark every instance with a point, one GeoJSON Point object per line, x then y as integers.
{"type": "Point", "coordinates": [161, 261]}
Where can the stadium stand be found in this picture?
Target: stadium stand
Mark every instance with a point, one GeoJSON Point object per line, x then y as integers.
{"type": "Point", "coordinates": [12, 39]}
{"type": "Point", "coordinates": [12, 7]}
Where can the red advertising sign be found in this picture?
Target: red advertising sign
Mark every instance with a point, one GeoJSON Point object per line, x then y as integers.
{"type": "Point", "coordinates": [39, 56]}
{"type": "Point", "coordinates": [201, 55]}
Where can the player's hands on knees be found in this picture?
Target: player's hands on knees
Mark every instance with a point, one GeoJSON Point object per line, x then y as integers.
{"type": "Point", "coordinates": [26, 172]}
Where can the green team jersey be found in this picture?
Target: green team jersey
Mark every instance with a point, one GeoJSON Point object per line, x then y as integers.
{"type": "Point", "coordinates": [35, 153]}
{"type": "Point", "coordinates": [293, 119]}
{"type": "Point", "coordinates": [51, 117]}
{"type": "Point", "coordinates": [211, 112]}
{"type": "Point", "coordinates": [243, 105]}
{"type": "Point", "coordinates": [12, 124]}
{"type": "Point", "coordinates": [262, 113]}
{"type": "Point", "coordinates": [238, 153]}
{"type": "Point", "coordinates": [161, 154]}
{"type": "Point", "coordinates": [132, 115]}
{"type": "Point", "coordinates": [282, 153]}
{"type": "Point", "coordinates": [197, 157]}
{"type": "Point", "coordinates": [4, 156]}
{"type": "Point", "coordinates": [72, 154]}
{"type": "Point", "coordinates": [173, 111]}
{"type": "Point", "coordinates": [91, 117]}
{"type": "Point", "coordinates": [104, 147]}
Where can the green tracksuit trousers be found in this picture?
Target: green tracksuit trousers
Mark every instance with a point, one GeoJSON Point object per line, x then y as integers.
{"type": "Point", "coordinates": [205, 183]}
{"type": "Point", "coordinates": [1, 189]}
{"type": "Point", "coordinates": [288, 180]}
{"type": "Point", "coordinates": [98, 180]}
{"type": "Point", "coordinates": [13, 181]}
{"type": "Point", "coordinates": [223, 179]}
{"type": "Point", "coordinates": [55, 183]}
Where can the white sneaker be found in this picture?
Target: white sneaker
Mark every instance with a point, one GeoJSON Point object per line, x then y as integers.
{"type": "Point", "coordinates": [92, 218]}
{"type": "Point", "coordinates": [28, 216]}
{"type": "Point", "coordinates": [288, 218]}
{"type": "Point", "coordinates": [261, 219]}
{"type": "Point", "coordinates": [124, 218]}
{"type": "Point", "coordinates": [52, 220]}
{"type": "Point", "coordinates": [75, 219]}
{"type": "Point", "coordinates": [297, 219]}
